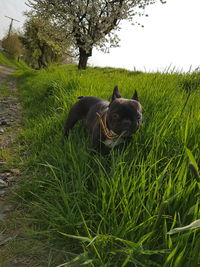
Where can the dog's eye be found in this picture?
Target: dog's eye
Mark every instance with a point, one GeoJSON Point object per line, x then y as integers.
{"type": "Point", "coordinates": [115, 116]}
{"type": "Point", "coordinates": [139, 117]}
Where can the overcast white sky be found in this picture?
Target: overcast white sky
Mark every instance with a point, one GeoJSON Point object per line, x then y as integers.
{"type": "Point", "coordinates": [171, 36]}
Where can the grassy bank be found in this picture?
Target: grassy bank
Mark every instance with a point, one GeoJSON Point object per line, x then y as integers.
{"type": "Point", "coordinates": [7, 60]}
{"type": "Point", "coordinates": [115, 210]}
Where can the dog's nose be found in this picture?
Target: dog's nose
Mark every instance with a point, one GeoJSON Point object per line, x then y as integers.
{"type": "Point", "coordinates": [126, 124]}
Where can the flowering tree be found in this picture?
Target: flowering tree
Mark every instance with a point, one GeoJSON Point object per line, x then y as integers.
{"type": "Point", "coordinates": [43, 44]}
{"type": "Point", "coordinates": [89, 22]}
{"type": "Point", "coordinates": [12, 44]}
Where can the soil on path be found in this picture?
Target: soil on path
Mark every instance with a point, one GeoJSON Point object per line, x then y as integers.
{"type": "Point", "coordinates": [10, 122]}
{"type": "Point", "coordinates": [10, 117]}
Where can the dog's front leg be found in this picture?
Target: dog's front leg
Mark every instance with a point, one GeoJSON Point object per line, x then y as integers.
{"type": "Point", "coordinates": [97, 142]}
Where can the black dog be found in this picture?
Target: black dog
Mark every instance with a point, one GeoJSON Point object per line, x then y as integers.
{"type": "Point", "coordinates": [109, 123]}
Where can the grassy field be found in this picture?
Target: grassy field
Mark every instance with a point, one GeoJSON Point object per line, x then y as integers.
{"type": "Point", "coordinates": [115, 210]}
{"type": "Point", "coordinates": [7, 60]}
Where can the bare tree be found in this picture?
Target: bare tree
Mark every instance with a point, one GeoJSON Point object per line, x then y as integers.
{"type": "Point", "coordinates": [89, 22]}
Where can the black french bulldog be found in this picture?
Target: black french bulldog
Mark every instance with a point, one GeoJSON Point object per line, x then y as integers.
{"type": "Point", "coordinates": [109, 123]}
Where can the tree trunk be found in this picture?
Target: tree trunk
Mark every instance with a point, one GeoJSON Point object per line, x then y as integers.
{"type": "Point", "coordinates": [42, 63]}
{"type": "Point", "coordinates": [83, 58]}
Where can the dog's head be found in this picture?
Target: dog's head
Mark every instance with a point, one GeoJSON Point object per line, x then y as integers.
{"type": "Point", "coordinates": [124, 115]}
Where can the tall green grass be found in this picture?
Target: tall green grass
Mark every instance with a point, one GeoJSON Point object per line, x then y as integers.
{"type": "Point", "coordinates": [8, 60]}
{"type": "Point", "coordinates": [113, 210]}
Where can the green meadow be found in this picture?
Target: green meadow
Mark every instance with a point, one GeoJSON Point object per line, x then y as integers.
{"type": "Point", "coordinates": [119, 209]}
{"type": "Point", "coordinates": [7, 60]}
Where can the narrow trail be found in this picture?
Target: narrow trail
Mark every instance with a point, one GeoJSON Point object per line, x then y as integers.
{"type": "Point", "coordinates": [10, 124]}
{"type": "Point", "coordinates": [10, 117]}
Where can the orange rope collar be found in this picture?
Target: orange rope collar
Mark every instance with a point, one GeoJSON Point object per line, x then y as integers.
{"type": "Point", "coordinates": [109, 134]}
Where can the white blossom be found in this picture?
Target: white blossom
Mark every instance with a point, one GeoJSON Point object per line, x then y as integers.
{"type": "Point", "coordinates": [89, 22]}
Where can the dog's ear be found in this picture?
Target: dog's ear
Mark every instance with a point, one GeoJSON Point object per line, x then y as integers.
{"type": "Point", "coordinates": [135, 96]}
{"type": "Point", "coordinates": [116, 94]}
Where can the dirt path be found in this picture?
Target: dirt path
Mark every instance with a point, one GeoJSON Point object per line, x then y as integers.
{"type": "Point", "coordinates": [10, 120]}
{"type": "Point", "coordinates": [10, 117]}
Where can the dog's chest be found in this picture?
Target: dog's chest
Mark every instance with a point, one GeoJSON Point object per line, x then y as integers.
{"type": "Point", "coordinates": [111, 143]}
